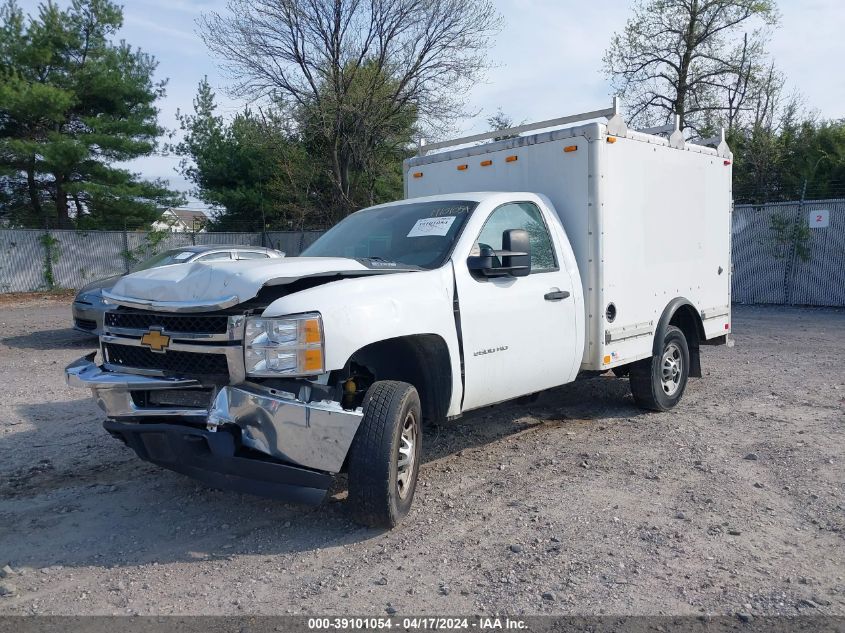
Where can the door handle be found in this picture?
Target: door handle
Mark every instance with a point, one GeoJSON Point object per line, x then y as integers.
{"type": "Point", "coordinates": [556, 295]}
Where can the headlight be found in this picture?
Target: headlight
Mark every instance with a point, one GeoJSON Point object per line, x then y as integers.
{"type": "Point", "coordinates": [287, 346]}
{"type": "Point", "coordinates": [85, 297]}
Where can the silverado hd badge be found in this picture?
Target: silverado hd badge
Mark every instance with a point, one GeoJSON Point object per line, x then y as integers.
{"type": "Point", "coordinates": [155, 340]}
{"type": "Point", "coordinates": [492, 350]}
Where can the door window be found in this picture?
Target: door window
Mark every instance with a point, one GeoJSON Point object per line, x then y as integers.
{"type": "Point", "coordinates": [213, 257]}
{"type": "Point", "coordinates": [252, 255]}
{"type": "Point", "coordinates": [520, 215]}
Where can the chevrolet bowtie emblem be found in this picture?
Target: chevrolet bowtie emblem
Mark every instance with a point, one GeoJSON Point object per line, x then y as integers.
{"type": "Point", "coordinates": [155, 340]}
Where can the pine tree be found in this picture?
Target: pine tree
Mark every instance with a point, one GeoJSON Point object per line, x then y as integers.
{"type": "Point", "coordinates": [73, 102]}
{"type": "Point", "coordinates": [252, 168]}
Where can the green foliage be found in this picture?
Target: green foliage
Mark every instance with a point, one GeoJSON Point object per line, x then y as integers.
{"type": "Point", "coordinates": [51, 254]}
{"type": "Point", "coordinates": [252, 167]}
{"type": "Point", "coordinates": [277, 168]}
{"type": "Point", "coordinates": [351, 80]}
{"type": "Point", "coordinates": [772, 165]}
{"type": "Point", "coordinates": [359, 136]}
{"type": "Point", "coordinates": [153, 238]}
{"type": "Point", "coordinates": [788, 236]}
{"type": "Point", "coordinates": [72, 103]}
{"type": "Point", "coordinates": [780, 227]}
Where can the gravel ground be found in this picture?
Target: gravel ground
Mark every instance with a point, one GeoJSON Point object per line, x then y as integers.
{"type": "Point", "coordinates": [577, 504]}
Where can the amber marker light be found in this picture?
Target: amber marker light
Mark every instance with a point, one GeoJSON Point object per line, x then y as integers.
{"type": "Point", "coordinates": [311, 360]}
{"type": "Point", "coordinates": [311, 331]}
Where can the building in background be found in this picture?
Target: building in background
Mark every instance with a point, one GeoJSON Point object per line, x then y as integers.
{"type": "Point", "coordinates": [181, 220]}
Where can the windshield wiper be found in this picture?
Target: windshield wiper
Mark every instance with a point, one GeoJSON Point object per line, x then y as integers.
{"type": "Point", "coordinates": [382, 262]}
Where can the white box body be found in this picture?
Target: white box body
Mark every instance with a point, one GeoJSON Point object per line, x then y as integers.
{"type": "Point", "coordinates": [649, 220]}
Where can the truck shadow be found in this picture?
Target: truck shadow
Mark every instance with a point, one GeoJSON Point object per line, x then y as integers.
{"type": "Point", "coordinates": [76, 497]}
{"type": "Point", "coordinates": [66, 338]}
{"type": "Point", "coordinates": [83, 499]}
{"type": "Point", "coordinates": [601, 398]}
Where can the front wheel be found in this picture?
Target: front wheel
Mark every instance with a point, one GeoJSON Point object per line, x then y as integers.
{"type": "Point", "coordinates": [385, 455]}
{"type": "Point", "coordinates": [658, 382]}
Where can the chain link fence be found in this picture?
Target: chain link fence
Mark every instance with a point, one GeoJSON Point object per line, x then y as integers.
{"type": "Point", "coordinates": [783, 253]}
{"type": "Point", "coordinates": [790, 253]}
{"type": "Point", "coordinates": [33, 260]}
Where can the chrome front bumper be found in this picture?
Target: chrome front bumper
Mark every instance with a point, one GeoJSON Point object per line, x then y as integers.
{"type": "Point", "coordinates": [313, 435]}
{"type": "Point", "coordinates": [113, 391]}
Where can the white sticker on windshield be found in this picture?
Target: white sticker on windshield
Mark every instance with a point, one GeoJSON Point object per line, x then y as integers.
{"type": "Point", "coordinates": [432, 226]}
{"type": "Point", "coordinates": [183, 255]}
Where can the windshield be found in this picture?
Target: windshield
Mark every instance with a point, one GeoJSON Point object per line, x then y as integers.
{"type": "Point", "coordinates": [419, 234]}
{"type": "Point", "coordinates": [164, 259]}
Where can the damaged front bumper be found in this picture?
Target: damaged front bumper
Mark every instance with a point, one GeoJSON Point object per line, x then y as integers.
{"type": "Point", "coordinates": [243, 437]}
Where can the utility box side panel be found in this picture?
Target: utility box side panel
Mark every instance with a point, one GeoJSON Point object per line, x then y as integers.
{"type": "Point", "coordinates": [666, 216]}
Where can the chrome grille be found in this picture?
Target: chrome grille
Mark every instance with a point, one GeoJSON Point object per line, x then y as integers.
{"type": "Point", "coordinates": [172, 362]}
{"type": "Point", "coordinates": [187, 323]}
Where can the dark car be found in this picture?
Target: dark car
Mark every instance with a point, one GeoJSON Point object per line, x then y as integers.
{"type": "Point", "coordinates": [89, 308]}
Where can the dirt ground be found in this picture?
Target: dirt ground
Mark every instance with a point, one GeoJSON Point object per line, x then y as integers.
{"type": "Point", "coordinates": [577, 504]}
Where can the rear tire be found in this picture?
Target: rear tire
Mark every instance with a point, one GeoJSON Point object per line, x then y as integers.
{"type": "Point", "coordinates": [385, 455]}
{"type": "Point", "coordinates": [658, 382]}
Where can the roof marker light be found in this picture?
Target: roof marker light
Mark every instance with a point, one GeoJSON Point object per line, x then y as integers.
{"type": "Point", "coordinates": [511, 159]}
{"type": "Point", "coordinates": [570, 148]}
{"type": "Point", "coordinates": [418, 174]}
{"type": "Point", "coordinates": [611, 139]}
{"type": "Point", "coordinates": [486, 163]}
{"type": "Point", "coordinates": [463, 167]}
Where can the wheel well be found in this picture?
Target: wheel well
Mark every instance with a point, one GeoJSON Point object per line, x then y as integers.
{"type": "Point", "coordinates": [421, 360]}
{"type": "Point", "coordinates": [687, 319]}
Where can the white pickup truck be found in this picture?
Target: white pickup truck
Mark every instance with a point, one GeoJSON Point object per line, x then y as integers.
{"type": "Point", "coordinates": [512, 267]}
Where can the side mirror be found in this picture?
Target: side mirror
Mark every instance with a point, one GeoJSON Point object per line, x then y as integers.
{"type": "Point", "coordinates": [483, 263]}
{"type": "Point", "coordinates": [513, 260]}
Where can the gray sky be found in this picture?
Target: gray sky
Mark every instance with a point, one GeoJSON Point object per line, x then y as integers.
{"type": "Point", "coordinates": [547, 59]}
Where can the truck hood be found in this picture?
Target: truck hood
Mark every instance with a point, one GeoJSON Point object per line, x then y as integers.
{"type": "Point", "coordinates": [234, 282]}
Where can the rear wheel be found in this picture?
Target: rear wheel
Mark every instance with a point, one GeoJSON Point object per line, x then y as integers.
{"type": "Point", "coordinates": [385, 455]}
{"type": "Point", "coordinates": [658, 382]}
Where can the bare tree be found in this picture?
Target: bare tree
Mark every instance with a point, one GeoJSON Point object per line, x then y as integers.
{"type": "Point", "coordinates": [761, 136]}
{"type": "Point", "coordinates": [740, 84]}
{"type": "Point", "coordinates": [355, 70]}
{"type": "Point", "coordinates": [769, 105]}
{"type": "Point", "coordinates": [677, 57]}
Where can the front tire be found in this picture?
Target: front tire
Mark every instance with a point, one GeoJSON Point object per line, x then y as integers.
{"type": "Point", "coordinates": [385, 455]}
{"type": "Point", "coordinates": [658, 382]}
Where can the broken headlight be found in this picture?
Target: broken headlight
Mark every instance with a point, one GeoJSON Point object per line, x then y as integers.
{"type": "Point", "coordinates": [284, 346]}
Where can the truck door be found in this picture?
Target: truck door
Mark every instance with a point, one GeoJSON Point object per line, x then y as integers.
{"type": "Point", "coordinates": [518, 332]}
